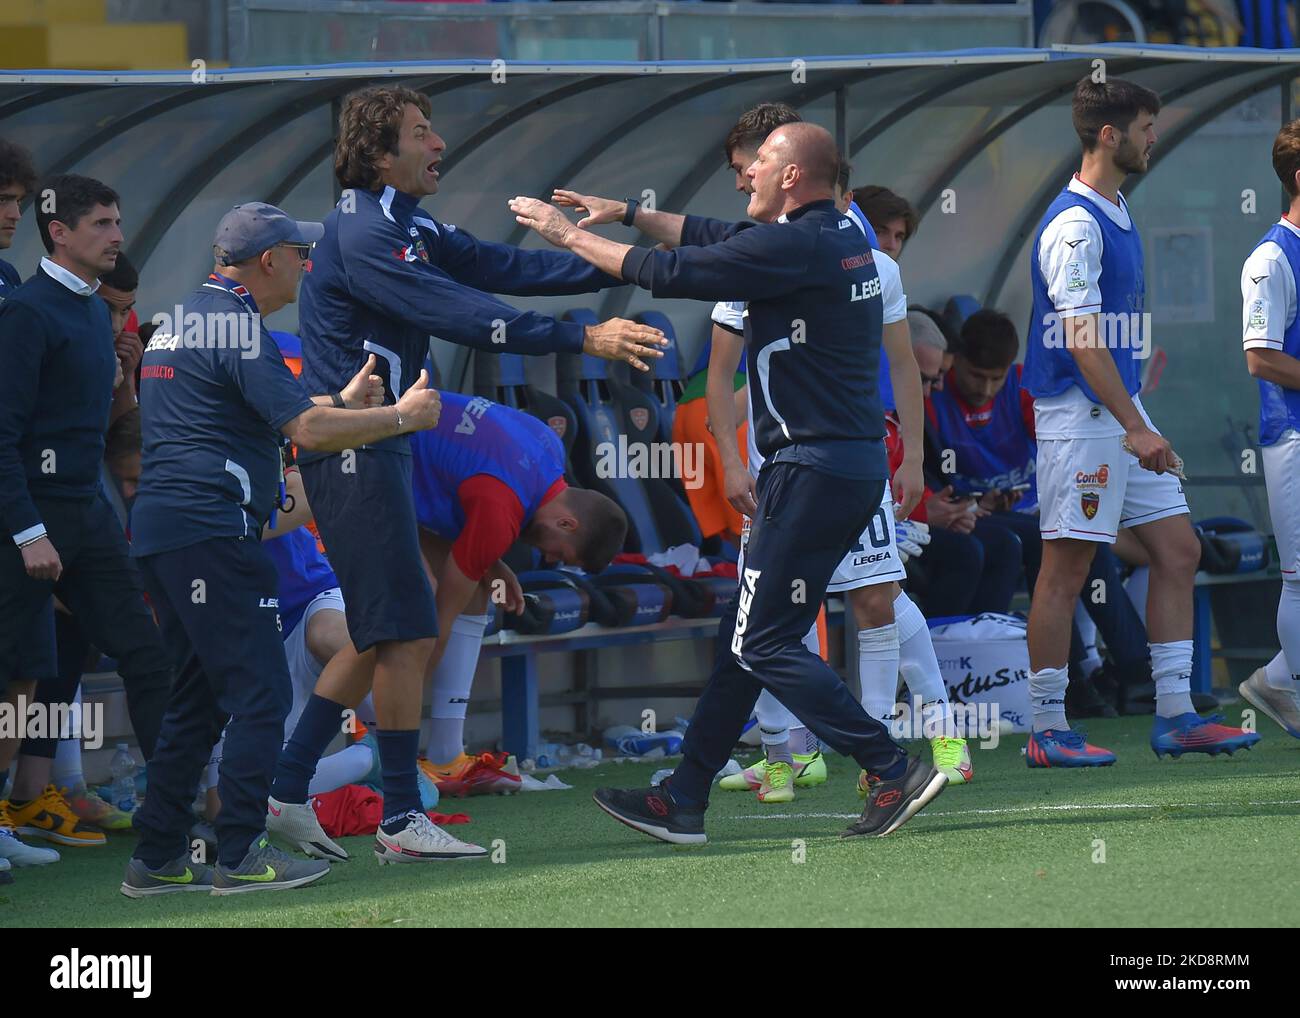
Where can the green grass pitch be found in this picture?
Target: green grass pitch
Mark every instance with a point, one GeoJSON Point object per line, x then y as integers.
{"type": "Point", "coordinates": [1191, 842]}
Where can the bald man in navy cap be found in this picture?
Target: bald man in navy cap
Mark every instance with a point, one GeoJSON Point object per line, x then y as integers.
{"type": "Point", "coordinates": [218, 406]}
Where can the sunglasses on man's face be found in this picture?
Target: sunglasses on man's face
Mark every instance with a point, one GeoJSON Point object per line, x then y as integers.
{"type": "Point", "coordinates": [304, 251]}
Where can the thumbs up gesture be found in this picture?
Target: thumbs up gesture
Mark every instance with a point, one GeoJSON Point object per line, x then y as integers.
{"type": "Point", "coordinates": [420, 406]}
{"type": "Point", "coordinates": [366, 388]}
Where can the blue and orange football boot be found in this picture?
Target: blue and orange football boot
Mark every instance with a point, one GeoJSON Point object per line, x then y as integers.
{"type": "Point", "coordinates": [1065, 748]}
{"type": "Point", "coordinates": [1191, 733]}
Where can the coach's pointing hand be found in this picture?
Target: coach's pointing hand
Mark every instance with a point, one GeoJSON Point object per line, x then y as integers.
{"type": "Point", "coordinates": [599, 210]}
{"type": "Point", "coordinates": [420, 406]}
{"type": "Point", "coordinates": [366, 389]}
{"type": "Point", "coordinates": [621, 340]}
{"type": "Point", "coordinates": [546, 219]}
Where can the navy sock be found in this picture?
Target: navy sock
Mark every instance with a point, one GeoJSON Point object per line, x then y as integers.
{"type": "Point", "coordinates": [397, 751]}
{"type": "Point", "coordinates": [896, 771]}
{"type": "Point", "coordinates": [321, 720]}
{"type": "Point", "coordinates": [681, 798]}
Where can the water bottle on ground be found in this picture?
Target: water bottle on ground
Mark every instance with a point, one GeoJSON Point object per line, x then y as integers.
{"type": "Point", "coordinates": [123, 768]}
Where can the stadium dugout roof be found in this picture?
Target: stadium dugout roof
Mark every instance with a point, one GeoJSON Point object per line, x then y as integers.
{"type": "Point", "coordinates": [977, 127]}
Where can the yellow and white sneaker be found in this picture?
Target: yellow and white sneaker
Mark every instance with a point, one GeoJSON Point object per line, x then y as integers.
{"type": "Point", "coordinates": [778, 783]}
{"type": "Point", "coordinates": [809, 770]}
{"type": "Point", "coordinates": [952, 760]}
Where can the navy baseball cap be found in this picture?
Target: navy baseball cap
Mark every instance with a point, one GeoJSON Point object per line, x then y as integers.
{"type": "Point", "coordinates": [249, 229]}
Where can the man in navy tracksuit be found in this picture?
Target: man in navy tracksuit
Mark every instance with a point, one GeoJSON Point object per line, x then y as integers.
{"type": "Point", "coordinates": [815, 306]}
{"type": "Point", "coordinates": [385, 278]}
{"type": "Point", "coordinates": [218, 402]}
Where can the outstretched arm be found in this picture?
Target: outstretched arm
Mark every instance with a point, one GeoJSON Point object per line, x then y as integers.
{"type": "Point", "coordinates": [504, 268]}
{"type": "Point", "coordinates": [746, 264]}
{"type": "Point", "coordinates": [663, 227]}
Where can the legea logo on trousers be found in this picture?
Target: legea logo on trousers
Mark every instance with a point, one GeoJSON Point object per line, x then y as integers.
{"type": "Point", "coordinates": [748, 587]}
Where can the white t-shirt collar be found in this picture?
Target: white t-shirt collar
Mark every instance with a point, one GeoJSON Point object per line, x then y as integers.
{"type": "Point", "coordinates": [73, 282]}
{"type": "Point", "coordinates": [1286, 223]}
{"type": "Point", "coordinates": [1118, 213]}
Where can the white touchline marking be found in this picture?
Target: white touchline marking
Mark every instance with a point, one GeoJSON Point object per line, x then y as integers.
{"type": "Point", "coordinates": [1063, 808]}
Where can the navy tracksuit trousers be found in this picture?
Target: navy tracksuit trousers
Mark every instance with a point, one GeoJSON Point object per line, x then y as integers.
{"type": "Point", "coordinates": [805, 523]}
{"type": "Point", "coordinates": [218, 609]}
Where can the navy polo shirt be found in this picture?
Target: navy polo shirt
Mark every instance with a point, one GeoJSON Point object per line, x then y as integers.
{"type": "Point", "coordinates": [214, 394]}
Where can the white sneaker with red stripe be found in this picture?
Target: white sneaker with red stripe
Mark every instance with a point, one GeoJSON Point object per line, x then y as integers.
{"type": "Point", "coordinates": [421, 840]}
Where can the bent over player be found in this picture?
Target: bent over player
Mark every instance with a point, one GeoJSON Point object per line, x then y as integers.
{"type": "Point", "coordinates": [486, 476]}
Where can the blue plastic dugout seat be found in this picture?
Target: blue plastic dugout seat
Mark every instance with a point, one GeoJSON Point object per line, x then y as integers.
{"type": "Point", "coordinates": [613, 420]}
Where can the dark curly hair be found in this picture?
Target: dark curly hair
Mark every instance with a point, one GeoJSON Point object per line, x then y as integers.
{"type": "Point", "coordinates": [369, 126]}
{"type": "Point", "coordinates": [16, 167]}
{"type": "Point", "coordinates": [755, 124]}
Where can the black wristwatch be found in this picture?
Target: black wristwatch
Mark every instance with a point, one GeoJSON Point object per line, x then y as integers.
{"type": "Point", "coordinates": [629, 217]}
{"type": "Point", "coordinates": [337, 399]}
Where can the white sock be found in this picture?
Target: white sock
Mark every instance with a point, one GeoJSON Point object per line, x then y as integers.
{"type": "Point", "coordinates": [803, 741]}
{"type": "Point", "coordinates": [1136, 586]}
{"type": "Point", "coordinates": [1047, 697]}
{"type": "Point", "coordinates": [920, 667]}
{"type": "Point", "coordinates": [878, 670]}
{"type": "Point", "coordinates": [1288, 630]}
{"type": "Point", "coordinates": [1171, 667]}
{"type": "Point", "coordinates": [346, 767]}
{"type": "Point", "coordinates": [212, 771]}
{"type": "Point", "coordinates": [1278, 675]}
{"type": "Point", "coordinates": [452, 680]}
{"type": "Point", "coordinates": [772, 714]}
{"type": "Point", "coordinates": [1088, 631]}
{"type": "Point", "coordinates": [66, 772]}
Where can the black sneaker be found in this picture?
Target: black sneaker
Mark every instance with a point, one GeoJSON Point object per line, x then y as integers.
{"type": "Point", "coordinates": [890, 804]}
{"type": "Point", "coordinates": [1137, 699]}
{"type": "Point", "coordinates": [1082, 700]}
{"type": "Point", "coordinates": [652, 811]}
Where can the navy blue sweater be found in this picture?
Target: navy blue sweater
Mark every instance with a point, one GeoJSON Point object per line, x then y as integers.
{"type": "Point", "coordinates": [9, 279]}
{"type": "Point", "coordinates": [57, 367]}
{"type": "Point", "coordinates": [812, 335]}
{"type": "Point", "coordinates": [386, 277]}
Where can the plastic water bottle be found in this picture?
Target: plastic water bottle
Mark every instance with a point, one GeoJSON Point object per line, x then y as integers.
{"type": "Point", "coordinates": [548, 754]}
{"type": "Point", "coordinates": [123, 768]}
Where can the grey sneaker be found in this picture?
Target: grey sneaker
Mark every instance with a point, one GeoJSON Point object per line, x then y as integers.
{"type": "Point", "coordinates": [1279, 704]}
{"type": "Point", "coordinates": [181, 874]}
{"type": "Point", "coordinates": [297, 823]}
{"type": "Point", "coordinates": [266, 868]}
